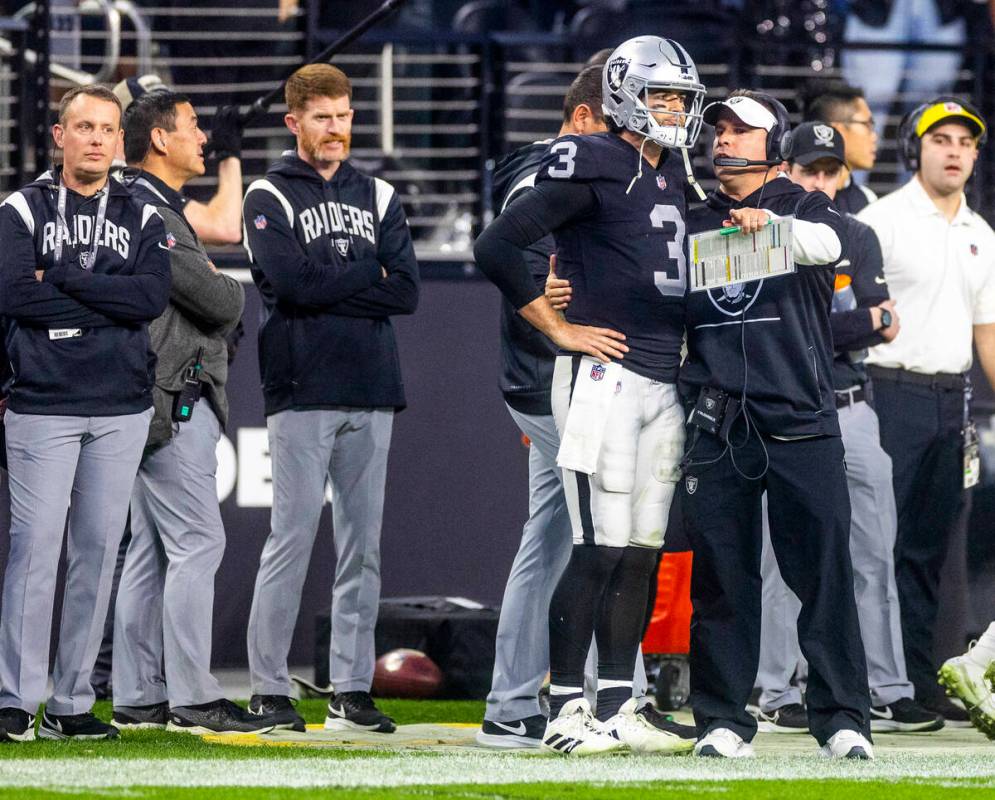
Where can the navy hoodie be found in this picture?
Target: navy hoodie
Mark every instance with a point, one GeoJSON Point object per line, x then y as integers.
{"type": "Point", "coordinates": [316, 249]}
{"type": "Point", "coordinates": [78, 340]}
{"type": "Point", "coordinates": [527, 355]}
{"type": "Point", "coordinates": [787, 335]}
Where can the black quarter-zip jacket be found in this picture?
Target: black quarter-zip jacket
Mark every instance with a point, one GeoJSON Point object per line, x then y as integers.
{"type": "Point", "coordinates": [316, 249]}
{"type": "Point", "coordinates": [788, 340]}
{"type": "Point", "coordinates": [78, 340]}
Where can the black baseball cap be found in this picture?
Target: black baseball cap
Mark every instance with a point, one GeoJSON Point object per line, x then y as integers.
{"type": "Point", "coordinates": [811, 141]}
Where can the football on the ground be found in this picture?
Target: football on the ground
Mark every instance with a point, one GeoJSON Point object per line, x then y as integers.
{"type": "Point", "coordinates": [406, 673]}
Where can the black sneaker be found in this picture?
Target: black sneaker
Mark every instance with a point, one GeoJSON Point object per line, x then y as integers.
{"type": "Point", "coordinates": [75, 726]}
{"type": "Point", "coordinates": [134, 718]}
{"type": "Point", "coordinates": [16, 725]}
{"type": "Point", "coordinates": [279, 709]}
{"type": "Point", "coordinates": [790, 718]}
{"type": "Point", "coordinates": [954, 716]}
{"type": "Point", "coordinates": [667, 723]}
{"type": "Point", "coordinates": [355, 711]}
{"type": "Point", "coordinates": [221, 716]}
{"type": "Point", "coordinates": [526, 732]}
{"type": "Point", "coordinates": [904, 715]}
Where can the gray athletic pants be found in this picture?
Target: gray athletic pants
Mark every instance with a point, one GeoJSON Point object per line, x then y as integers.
{"type": "Point", "coordinates": [873, 525]}
{"type": "Point", "coordinates": [348, 447]}
{"type": "Point", "coordinates": [521, 657]}
{"type": "Point", "coordinates": [165, 601]}
{"type": "Point", "coordinates": [91, 461]}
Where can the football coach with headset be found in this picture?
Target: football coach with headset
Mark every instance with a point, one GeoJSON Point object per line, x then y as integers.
{"type": "Point", "coordinates": [760, 361]}
{"type": "Point", "coordinates": [332, 256]}
{"type": "Point", "coordinates": [939, 261]}
{"type": "Point", "coordinates": [83, 269]}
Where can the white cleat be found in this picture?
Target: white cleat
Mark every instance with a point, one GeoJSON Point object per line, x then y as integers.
{"type": "Point", "coordinates": [848, 744]}
{"type": "Point", "coordinates": [576, 732]}
{"type": "Point", "coordinates": [641, 735]}
{"type": "Point", "coordinates": [964, 679]}
{"type": "Point", "coordinates": [723, 743]}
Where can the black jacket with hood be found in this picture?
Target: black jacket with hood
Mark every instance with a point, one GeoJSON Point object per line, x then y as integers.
{"type": "Point", "coordinates": [786, 333]}
{"type": "Point", "coordinates": [317, 248]}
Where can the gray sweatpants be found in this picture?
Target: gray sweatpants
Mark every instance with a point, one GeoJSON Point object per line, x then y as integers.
{"type": "Point", "coordinates": [873, 526]}
{"type": "Point", "coordinates": [86, 466]}
{"type": "Point", "coordinates": [348, 447]}
{"type": "Point", "coordinates": [165, 602]}
{"type": "Point", "coordinates": [521, 657]}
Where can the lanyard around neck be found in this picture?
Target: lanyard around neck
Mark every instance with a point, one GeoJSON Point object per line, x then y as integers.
{"type": "Point", "coordinates": [62, 227]}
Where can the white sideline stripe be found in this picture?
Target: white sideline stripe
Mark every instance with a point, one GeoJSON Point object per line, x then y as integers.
{"type": "Point", "coordinates": [483, 767]}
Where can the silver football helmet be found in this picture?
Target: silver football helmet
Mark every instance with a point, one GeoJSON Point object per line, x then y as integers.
{"type": "Point", "coordinates": [645, 64]}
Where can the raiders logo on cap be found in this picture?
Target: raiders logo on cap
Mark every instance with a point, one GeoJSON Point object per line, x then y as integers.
{"type": "Point", "coordinates": [824, 135]}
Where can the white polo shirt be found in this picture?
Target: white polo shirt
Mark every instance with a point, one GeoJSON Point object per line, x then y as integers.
{"type": "Point", "coordinates": [941, 276]}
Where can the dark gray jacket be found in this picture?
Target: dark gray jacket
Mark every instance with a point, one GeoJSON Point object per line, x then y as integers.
{"type": "Point", "coordinates": [204, 306]}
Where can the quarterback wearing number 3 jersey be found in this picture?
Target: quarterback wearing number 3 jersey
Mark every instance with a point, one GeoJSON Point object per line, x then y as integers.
{"type": "Point", "coordinates": [615, 205]}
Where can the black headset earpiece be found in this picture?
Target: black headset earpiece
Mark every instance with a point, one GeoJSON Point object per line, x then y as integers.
{"type": "Point", "coordinates": [910, 145]}
{"type": "Point", "coordinates": [778, 137]}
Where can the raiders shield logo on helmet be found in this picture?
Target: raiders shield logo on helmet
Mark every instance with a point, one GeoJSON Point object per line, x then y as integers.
{"type": "Point", "coordinates": [342, 245]}
{"type": "Point", "coordinates": [615, 71]}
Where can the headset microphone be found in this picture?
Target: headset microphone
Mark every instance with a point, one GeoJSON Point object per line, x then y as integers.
{"type": "Point", "coordinates": [744, 162]}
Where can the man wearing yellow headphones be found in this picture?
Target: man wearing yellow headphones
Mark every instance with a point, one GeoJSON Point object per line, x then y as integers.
{"type": "Point", "coordinates": [939, 262]}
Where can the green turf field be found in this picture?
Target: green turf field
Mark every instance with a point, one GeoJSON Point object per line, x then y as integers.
{"type": "Point", "coordinates": [150, 764]}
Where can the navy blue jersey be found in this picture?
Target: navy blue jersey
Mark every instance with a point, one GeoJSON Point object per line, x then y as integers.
{"type": "Point", "coordinates": [625, 257]}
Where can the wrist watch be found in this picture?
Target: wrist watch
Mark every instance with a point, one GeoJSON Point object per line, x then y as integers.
{"type": "Point", "coordinates": [885, 319]}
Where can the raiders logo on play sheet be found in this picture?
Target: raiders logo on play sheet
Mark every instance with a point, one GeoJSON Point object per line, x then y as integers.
{"type": "Point", "coordinates": [342, 245]}
{"type": "Point", "coordinates": [692, 483]}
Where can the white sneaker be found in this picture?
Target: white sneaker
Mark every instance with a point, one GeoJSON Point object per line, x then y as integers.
{"type": "Point", "coordinates": [641, 735]}
{"type": "Point", "coordinates": [723, 743]}
{"type": "Point", "coordinates": [848, 744]}
{"type": "Point", "coordinates": [576, 732]}
{"type": "Point", "coordinates": [964, 679]}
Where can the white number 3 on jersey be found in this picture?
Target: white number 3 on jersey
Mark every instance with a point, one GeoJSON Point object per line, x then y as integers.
{"type": "Point", "coordinates": [564, 168]}
{"type": "Point", "coordinates": [671, 285]}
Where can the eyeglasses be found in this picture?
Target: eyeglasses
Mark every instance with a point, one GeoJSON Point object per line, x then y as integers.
{"type": "Point", "coordinates": [867, 123]}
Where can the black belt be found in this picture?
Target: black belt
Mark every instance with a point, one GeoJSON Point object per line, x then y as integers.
{"type": "Point", "coordinates": [850, 397]}
{"type": "Point", "coordinates": [948, 381]}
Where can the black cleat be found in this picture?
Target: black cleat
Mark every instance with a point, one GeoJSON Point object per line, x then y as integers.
{"type": "Point", "coordinates": [954, 716]}
{"type": "Point", "coordinates": [221, 716]}
{"type": "Point", "coordinates": [355, 711]}
{"type": "Point", "coordinates": [75, 726]}
{"type": "Point", "coordinates": [134, 718]}
{"type": "Point", "coordinates": [280, 711]}
{"type": "Point", "coordinates": [904, 715]}
{"type": "Point", "coordinates": [16, 725]}
{"type": "Point", "coordinates": [666, 723]}
{"type": "Point", "coordinates": [526, 732]}
{"type": "Point", "coordinates": [790, 718]}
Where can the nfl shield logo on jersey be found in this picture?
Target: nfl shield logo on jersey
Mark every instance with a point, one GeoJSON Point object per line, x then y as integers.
{"type": "Point", "coordinates": [260, 222]}
{"type": "Point", "coordinates": [342, 245]}
{"type": "Point", "coordinates": [597, 372]}
{"type": "Point", "coordinates": [170, 241]}
{"type": "Point", "coordinates": [661, 181]}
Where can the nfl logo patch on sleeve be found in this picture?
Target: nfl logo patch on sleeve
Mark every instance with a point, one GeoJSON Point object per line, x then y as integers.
{"type": "Point", "coordinates": [260, 222]}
